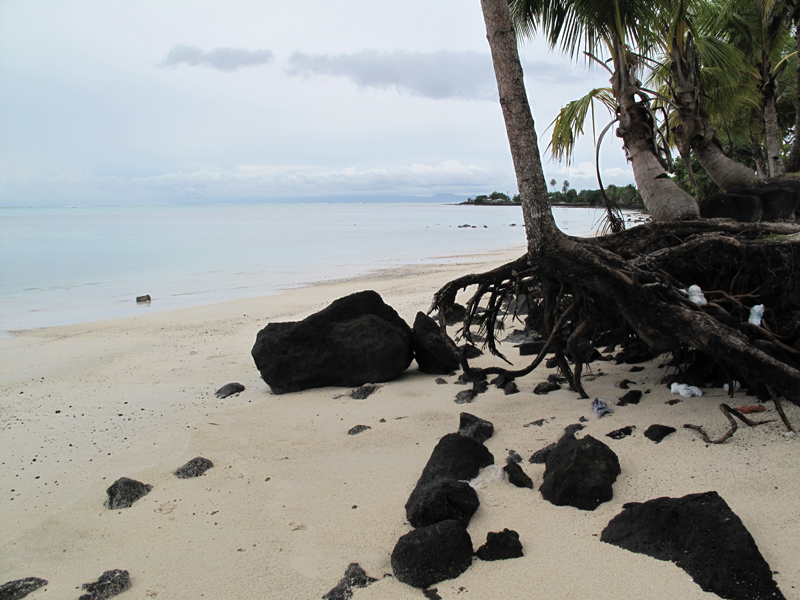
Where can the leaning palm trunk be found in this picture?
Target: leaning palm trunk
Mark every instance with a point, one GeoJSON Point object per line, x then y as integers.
{"type": "Point", "coordinates": [663, 198]}
{"type": "Point", "coordinates": [694, 133]}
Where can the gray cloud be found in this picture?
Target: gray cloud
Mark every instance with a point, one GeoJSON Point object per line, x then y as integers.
{"type": "Point", "coordinates": [223, 59]}
{"type": "Point", "coordinates": [441, 74]}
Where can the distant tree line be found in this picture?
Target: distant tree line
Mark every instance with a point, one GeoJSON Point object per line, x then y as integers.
{"type": "Point", "coordinates": [626, 196]}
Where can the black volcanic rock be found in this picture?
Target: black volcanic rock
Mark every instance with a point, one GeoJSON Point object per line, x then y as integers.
{"type": "Point", "coordinates": [358, 339]}
{"type": "Point", "coordinates": [474, 427]}
{"type": "Point", "coordinates": [109, 584]}
{"type": "Point", "coordinates": [517, 476]}
{"type": "Point", "coordinates": [19, 588]}
{"type": "Point", "coordinates": [432, 554]}
{"type": "Point", "coordinates": [580, 473]}
{"type": "Point", "coordinates": [354, 577]}
{"type": "Point", "coordinates": [546, 387]}
{"type": "Point", "coordinates": [701, 535]}
{"type": "Point", "coordinates": [229, 389]}
{"type": "Point", "coordinates": [501, 546]}
{"type": "Point", "coordinates": [632, 397]}
{"type": "Point", "coordinates": [194, 468]}
{"type": "Point", "coordinates": [623, 432]}
{"type": "Point", "coordinates": [440, 492]}
{"type": "Point", "coordinates": [658, 432]}
{"type": "Point", "coordinates": [124, 492]}
{"type": "Point", "coordinates": [433, 353]}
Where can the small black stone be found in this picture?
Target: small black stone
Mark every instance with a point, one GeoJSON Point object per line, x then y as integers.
{"type": "Point", "coordinates": [545, 388]}
{"type": "Point", "coordinates": [510, 388]}
{"type": "Point", "coordinates": [556, 378]}
{"type": "Point", "coordinates": [354, 577]}
{"type": "Point", "coordinates": [501, 381]}
{"type": "Point", "coordinates": [194, 468]}
{"type": "Point", "coordinates": [618, 434]}
{"type": "Point", "coordinates": [636, 369]}
{"type": "Point", "coordinates": [432, 594]}
{"type": "Point", "coordinates": [538, 423]}
{"type": "Point", "coordinates": [109, 584]}
{"type": "Point", "coordinates": [358, 429]}
{"type": "Point", "coordinates": [229, 389]}
{"type": "Point", "coordinates": [658, 432]}
{"type": "Point", "coordinates": [465, 397]}
{"type": "Point", "coordinates": [517, 476]}
{"type": "Point", "coordinates": [474, 427]}
{"type": "Point", "coordinates": [625, 383]}
{"type": "Point", "coordinates": [501, 546]}
{"type": "Point", "coordinates": [471, 377]}
{"type": "Point", "coordinates": [480, 387]}
{"type": "Point", "coordinates": [363, 392]}
{"type": "Point", "coordinates": [440, 381]}
{"type": "Point", "coordinates": [513, 457]}
{"type": "Point", "coordinates": [571, 430]}
{"type": "Point", "coordinates": [470, 351]}
{"type": "Point", "coordinates": [631, 397]}
{"type": "Point", "coordinates": [551, 363]}
{"type": "Point", "coordinates": [124, 492]}
{"type": "Point", "coordinates": [19, 588]}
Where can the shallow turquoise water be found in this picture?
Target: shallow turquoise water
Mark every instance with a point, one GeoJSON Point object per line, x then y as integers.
{"type": "Point", "coordinates": [68, 265]}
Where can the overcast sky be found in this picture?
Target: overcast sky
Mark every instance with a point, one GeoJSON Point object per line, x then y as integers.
{"type": "Point", "coordinates": [152, 101]}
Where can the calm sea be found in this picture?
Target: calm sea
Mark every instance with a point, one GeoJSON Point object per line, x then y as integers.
{"type": "Point", "coordinates": [61, 266]}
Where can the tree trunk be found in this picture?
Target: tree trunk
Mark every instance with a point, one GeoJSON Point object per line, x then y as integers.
{"type": "Point", "coordinates": [539, 222]}
{"type": "Point", "coordinates": [663, 198]}
{"type": "Point", "coordinates": [695, 133]}
{"type": "Point", "coordinates": [724, 171]}
{"type": "Point", "coordinates": [793, 162]}
{"type": "Point", "coordinates": [772, 136]}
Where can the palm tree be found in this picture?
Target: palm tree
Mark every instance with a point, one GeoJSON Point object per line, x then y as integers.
{"type": "Point", "coordinates": [760, 30]}
{"type": "Point", "coordinates": [691, 61]}
{"type": "Point", "coordinates": [614, 27]}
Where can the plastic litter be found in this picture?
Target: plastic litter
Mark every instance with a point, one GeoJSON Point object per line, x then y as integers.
{"type": "Point", "coordinates": [601, 408]}
{"type": "Point", "coordinates": [695, 295]}
{"type": "Point", "coordinates": [756, 313]}
{"type": "Point", "coordinates": [736, 386]}
{"type": "Point", "coordinates": [487, 476]}
{"type": "Point", "coordinates": [687, 391]}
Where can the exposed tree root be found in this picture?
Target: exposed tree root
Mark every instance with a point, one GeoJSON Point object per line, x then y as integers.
{"type": "Point", "coordinates": [729, 414]}
{"type": "Point", "coordinates": [624, 287]}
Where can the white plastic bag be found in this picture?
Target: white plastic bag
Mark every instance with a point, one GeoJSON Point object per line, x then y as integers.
{"type": "Point", "coordinates": [687, 391]}
{"type": "Point", "coordinates": [487, 476]}
{"type": "Point", "coordinates": [756, 313]}
{"type": "Point", "coordinates": [695, 295]}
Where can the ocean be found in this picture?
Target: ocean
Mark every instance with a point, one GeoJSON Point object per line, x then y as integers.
{"type": "Point", "coordinates": [60, 266]}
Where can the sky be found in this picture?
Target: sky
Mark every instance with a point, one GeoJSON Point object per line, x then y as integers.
{"type": "Point", "coordinates": [161, 101]}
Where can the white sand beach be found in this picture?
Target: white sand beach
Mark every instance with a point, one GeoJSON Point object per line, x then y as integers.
{"type": "Point", "coordinates": [293, 499]}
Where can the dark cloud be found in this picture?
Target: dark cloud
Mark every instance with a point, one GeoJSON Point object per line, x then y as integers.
{"type": "Point", "coordinates": [223, 59]}
{"type": "Point", "coordinates": [440, 74]}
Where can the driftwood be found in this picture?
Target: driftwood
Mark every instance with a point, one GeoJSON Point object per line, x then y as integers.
{"type": "Point", "coordinates": [729, 414]}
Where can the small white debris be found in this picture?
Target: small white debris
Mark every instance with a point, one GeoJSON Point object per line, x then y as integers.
{"type": "Point", "coordinates": [756, 313]}
{"type": "Point", "coordinates": [687, 391]}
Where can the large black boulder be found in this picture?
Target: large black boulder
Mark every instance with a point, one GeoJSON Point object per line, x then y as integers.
{"type": "Point", "coordinates": [743, 207]}
{"type": "Point", "coordinates": [434, 355]}
{"type": "Point", "coordinates": [432, 554]}
{"type": "Point", "coordinates": [358, 339]}
{"type": "Point", "coordinates": [580, 473]}
{"type": "Point", "coordinates": [441, 492]}
{"type": "Point", "coordinates": [704, 537]}
{"type": "Point", "coordinates": [780, 198]}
